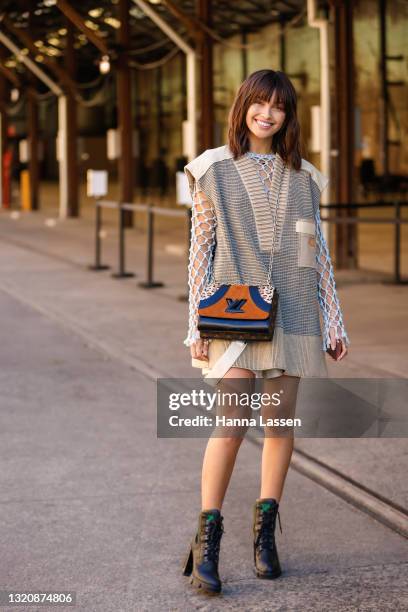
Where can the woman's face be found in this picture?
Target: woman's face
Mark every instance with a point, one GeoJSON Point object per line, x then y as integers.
{"type": "Point", "coordinates": [264, 119]}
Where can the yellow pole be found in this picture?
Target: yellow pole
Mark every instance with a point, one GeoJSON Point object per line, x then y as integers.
{"type": "Point", "coordinates": [25, 190]}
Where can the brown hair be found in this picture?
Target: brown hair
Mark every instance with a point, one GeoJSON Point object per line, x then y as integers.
{"type": "Point", "coordinates": [261, 85]}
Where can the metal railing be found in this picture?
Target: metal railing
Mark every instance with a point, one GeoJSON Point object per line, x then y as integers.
{"type": "Point", "coordinates": [396, 221]}
{"type": "Point", "coordinates": [151, 211]}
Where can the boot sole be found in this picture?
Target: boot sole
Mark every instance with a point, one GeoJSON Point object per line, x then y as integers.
{"type": "Point", "coordinates": [267, 576]}
{"type": "Point", "coordinates": [204, 587]}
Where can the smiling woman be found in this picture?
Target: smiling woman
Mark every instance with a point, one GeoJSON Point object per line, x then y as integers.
{"type": "Point", "coordinates": [252, 198]}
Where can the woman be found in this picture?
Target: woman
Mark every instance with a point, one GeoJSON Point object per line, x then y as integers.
{"type": "Point", "coordinates": [254, 194]}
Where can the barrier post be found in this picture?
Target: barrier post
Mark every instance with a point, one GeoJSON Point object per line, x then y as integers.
{"type": "Point", "coordinates": [150, 283]}
{"type": "Point", "coordinates": [121, 273]}
{"type": "Point", "coordinates": [98, 227]}
{"type": "Point", "coordinates": [25, 190]}
{"type": "Point", "coordinates": [397, 246]}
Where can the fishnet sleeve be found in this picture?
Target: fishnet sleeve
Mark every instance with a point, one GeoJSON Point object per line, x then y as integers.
{"type": "Point", "coordinates": [202, 243]}
{"type": "Point", "coordinates": [327, 295]}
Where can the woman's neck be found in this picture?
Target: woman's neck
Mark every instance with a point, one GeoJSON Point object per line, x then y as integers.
{"type": "Point", "coordinates": [257, 145]}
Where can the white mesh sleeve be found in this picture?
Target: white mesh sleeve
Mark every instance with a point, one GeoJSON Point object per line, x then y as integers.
{"type": "Point", "coordinates": [327, 294]}
{"type": "Point", "coordinates": [202, 243]}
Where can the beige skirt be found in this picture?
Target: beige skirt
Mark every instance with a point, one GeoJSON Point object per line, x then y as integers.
{"type": "Point", "coordinates": [294, 355]}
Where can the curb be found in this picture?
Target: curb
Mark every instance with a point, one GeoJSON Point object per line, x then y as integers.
{"type": "Point", "coordinates": [380, 508]}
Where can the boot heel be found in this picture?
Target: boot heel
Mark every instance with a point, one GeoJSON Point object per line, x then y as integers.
{"type": "Point", "coordinates": [188, 564]}
{"type": "Point", "coordinates": [201, 562]}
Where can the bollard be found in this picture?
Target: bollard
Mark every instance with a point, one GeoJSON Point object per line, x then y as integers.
{"type": "Point", "coordinates": [150, 283]}
{"type": "Point", "coordinates": [25, 190]}
{"type": "Point", "coordinates": [121, 273]}
{"type": "Point", "coordinates": [98, 226]}
{"type": "Point", "coordinates": [397, 246]}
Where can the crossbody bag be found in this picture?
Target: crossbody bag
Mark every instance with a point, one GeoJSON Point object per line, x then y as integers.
{"type": "Point", "coordinates": [240, 312]}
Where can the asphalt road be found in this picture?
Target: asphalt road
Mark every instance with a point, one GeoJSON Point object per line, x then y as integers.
{"type": "Point", "coordinates": [92, 501]}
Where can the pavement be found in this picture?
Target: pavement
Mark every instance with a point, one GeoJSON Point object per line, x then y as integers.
{"type": "Point", "coordinates": [92, 501]}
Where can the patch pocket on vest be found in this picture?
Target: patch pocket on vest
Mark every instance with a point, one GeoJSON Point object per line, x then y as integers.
{"type": "Point", "coordinates": [306, 231]}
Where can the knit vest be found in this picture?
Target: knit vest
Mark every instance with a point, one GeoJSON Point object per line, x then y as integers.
{"type": "Point", "coordinates": [245, 231]}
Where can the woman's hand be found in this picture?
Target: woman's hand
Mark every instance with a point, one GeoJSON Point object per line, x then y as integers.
{"type": "Point", "coordinates": [344, 350]}
{"type": "Point", "coordinates": [199, 349]}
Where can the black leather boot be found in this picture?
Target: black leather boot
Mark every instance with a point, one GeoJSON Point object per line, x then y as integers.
{"type": "Point", "coordinates": [265, 552]}
{"type": "Point", "coordinates": [202, 559]}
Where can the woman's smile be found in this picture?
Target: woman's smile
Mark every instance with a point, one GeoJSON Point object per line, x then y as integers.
{"type": "Point", "coordinates": [264, 125]}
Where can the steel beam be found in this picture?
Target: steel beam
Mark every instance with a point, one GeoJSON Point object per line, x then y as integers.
{"type": "Point", "coordinates": [190, 69]}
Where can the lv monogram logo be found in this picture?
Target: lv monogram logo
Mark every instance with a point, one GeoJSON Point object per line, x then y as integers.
{"type": "Point", "coordinates": [235, 305]}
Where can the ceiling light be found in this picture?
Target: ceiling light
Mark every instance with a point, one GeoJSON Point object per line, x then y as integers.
{"type": "Point", "coordinates": [91, 25]}
{"type": "Point", "coordinates": [53, 52]}
{"type": "Point", "coordinates": [14, 94]}
{"type": "Point", "coordinates": [104, 64]}
{"type": "Point", "coordinates": [112, 21]}
{"type": "Point", "coordinates": [96, 12]}
{"type": "Point", "coordinates": [136, 12]}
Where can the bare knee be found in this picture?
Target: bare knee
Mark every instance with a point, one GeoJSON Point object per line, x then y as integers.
{"type": "Point", "coordinates": [231, 442]}
{"type": "Point", "coordinates": [279, 432]}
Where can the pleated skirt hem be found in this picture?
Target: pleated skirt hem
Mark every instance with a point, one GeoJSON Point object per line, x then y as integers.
{"type": "Point", "coordinates": [291, 354]}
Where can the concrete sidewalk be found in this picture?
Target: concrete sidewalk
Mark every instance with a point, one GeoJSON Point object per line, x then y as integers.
{"type": "Point", "coordinates": [92, 501]}
{"type": "Point", "coordinates": [112, 506]}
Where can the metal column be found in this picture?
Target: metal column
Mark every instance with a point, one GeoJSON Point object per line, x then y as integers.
{"type": "Point", "coordinates": [205, 48]}
{"type": "Point", "coordinates": [124, 106]}
{"type": "Point", "coordinates": [71, 149]}
{"type": "Point", "coordinates": [346, 234]}
{"type": "Point", "coordinates": [33, 142]}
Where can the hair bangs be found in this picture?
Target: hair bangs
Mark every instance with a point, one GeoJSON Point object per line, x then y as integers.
{"type": "Point", "coordinates": [263, 85]}
{"type": "Point", "coordinates": [265, 88]}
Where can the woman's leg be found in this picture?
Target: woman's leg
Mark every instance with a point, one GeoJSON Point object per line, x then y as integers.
{"type": "Point", "coordinates": [278, 441]}
{"type": "Point", "coordinates": [221, 452]}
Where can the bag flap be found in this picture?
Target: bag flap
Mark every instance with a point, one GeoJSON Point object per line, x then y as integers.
{"type": "Point", "coordinates": [235, 302]}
